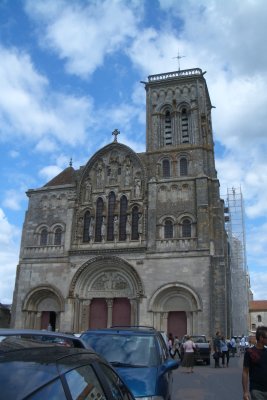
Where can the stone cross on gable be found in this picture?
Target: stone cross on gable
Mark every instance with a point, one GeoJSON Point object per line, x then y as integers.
{"type": "Point", "coordinates": [116, 132]}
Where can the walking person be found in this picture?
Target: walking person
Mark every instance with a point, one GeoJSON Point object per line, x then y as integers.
{"type": "Point", "coordinates": [189, 354]}
{"type": "Point", "coordinates": [254, 376]}
{"type": "Point", "coordinates": [225, 352]}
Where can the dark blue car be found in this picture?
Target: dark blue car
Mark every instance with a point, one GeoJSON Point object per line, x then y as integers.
{"type": "Point", "coordinates": [140, 357]}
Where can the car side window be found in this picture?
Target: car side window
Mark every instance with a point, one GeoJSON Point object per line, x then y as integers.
{"type": "Point", "coordinates": [164, 350]}
{"type": "Point", "coordinates": [52, 391]}
{"type": "Point", "coordinates": [84, 384]}
{"type": "Point", "coordinates": [117, 387]}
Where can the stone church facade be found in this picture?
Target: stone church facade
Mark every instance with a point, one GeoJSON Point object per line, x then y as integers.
{"type": "Point", "coordinates": [133, 238]}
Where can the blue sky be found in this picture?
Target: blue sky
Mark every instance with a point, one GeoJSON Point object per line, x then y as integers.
{"type": "Point", "coordinates": [70, 74]}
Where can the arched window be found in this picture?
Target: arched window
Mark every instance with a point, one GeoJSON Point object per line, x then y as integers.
{"type": "Point", "coordinates": [186, 228]}
{"type": "Point", "coordinates": [123, 217]}
{"type": "Point", "coordinates": [166, 170]}
{"type": "Point", "coordinates": [168, 229]}
{"type": "Point", "coordinates": [111, 208]}
{"type": "Point", "coordinates": [99, 219]}
{"type": "Point", "coordinates": [58, 236]}
{"type": "Point", "coordinates": [259, 318]}
{"type": "Point", "coordinates": [168, 128]}
{"type": "Point", "coordinates": [44, 237]}
{"type": "Point", "coordinates": [135, 218]}
{"type": "Point", "coordinates": [183, 166]}
{"type": "Point", "coordinates": [86, 225]}
{"type": "Point", "coordinates": [185, 130]}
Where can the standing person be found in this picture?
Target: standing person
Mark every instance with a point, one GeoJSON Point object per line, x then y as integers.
{"type": "Point", "coordinates": [242, 344]}
{"type": "Point", "coordinates": [233, 346]}
{"type": "Point", "coordinates": [217, 349]}
{"type": "Point", "coordinates": [176, 347]}
{"type": "Point", "coordinates": [237, 342]}
{"type": "Point", "coordinates": [225, 352]}
{"type": "Point", "coordinates": [170, 344]}
{"type": "Point", "coordinates": [254, 376]}
{"type": "Point", "coordinates": [189, 354]}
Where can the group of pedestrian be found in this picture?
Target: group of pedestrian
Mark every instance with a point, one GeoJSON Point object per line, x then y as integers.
{"type": "Point", "coordinates": [254, 375]}
{"type": "Point", "coordinates": [221, 351]}
{"type": "Point", "coordinates": [185, 351]}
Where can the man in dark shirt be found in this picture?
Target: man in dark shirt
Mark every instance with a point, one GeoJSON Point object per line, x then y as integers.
{"type": "Point", "coordinates": [254, 376]}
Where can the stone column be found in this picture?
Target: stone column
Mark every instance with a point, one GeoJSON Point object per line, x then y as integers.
{"type": "Point", "coordinates": [110, 309]}
{"type": "Point", "coordinates": [37, 320]}
{"type": "Point", "coordinates": [85, 314]}
{"type": "Point", "coordinates": [134, 307]}
{"type": "Point", "coordinates": [76, 315]}
{"type": "Point", "coordinates": [164, 321]}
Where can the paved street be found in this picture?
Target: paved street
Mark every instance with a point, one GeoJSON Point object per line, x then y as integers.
{"type": "Point", "coordinates": [208, 383]}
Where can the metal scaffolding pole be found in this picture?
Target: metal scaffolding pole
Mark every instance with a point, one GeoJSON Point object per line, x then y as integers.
{"type": "Point", "coordinates": [235, 227]}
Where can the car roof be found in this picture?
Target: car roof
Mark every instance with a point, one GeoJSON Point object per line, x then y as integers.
{"type": "Point", "coordinates": [49, 355]}
{"type": "Point", "coordinates": [144, 330]}
{"type": "Point", "coordinates": [77, 342]}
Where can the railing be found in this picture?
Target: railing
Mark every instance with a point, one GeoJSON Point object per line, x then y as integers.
{"type": "Point", "coordinates": [43, 250]}
{"type": "Point", "coordinates": [167, 75]}
{"type": "Point", "coordinates": [177, 244]}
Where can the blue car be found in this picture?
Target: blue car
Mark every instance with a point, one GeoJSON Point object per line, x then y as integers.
{"type": "Point", "coordinates": [140, 356]}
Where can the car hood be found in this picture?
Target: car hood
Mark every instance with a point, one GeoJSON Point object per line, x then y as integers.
{"type": "Point", "coordinates": [141, 381]}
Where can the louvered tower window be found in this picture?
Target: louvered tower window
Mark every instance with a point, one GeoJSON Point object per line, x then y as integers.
{"type": "Point", "coordinates": [135, 218]}
{"type": "Point", "coordinates": [86, 225]}
{"type": "Point", "coordinates": [168, 229]}
{"type": "Point", "coordinates": [99, 218]}
{"type": "Point", "coordinates": [123, 217]}
{"type": "Point", "coordinates": [186, 228]}
{"type": "Point", "coordinates": [168, 128]}
{"type": "Point", "coordinates": [111, 208]}
{"type": "Point", "coordinates": [166, 171]}
{"type": "Point", "coordinates": [58, 236]}
{"type": "Point", "coordinates": [44, 237]}
{"type": "Point", "coordinates": [185, 130]}
{"type": "Point", "coordinates": [183, 166]}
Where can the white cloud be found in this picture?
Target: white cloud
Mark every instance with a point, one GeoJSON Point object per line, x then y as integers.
{"type": "Point", "coordinates": [9, 249]}
{"type": "Point", "coordinates": [258, 282]}
{"type": "Point", "coordinates": [13, 199]}
{"type": "Point", "coordinates": [82, 34]}
{"type": "Point", "coordinates": [29, 108]}
{"type": "Point", "coordinates": [50, 172]}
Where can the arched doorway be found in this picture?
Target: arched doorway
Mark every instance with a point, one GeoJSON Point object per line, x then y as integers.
{"type": "Point", "coordinates": [175, 308]}
{"type": "Point", "coordinates": [48, 320]}
{"type": "Point", "coordinates": [177, 323]}
{"type": "Point", "coordinates": [98, 314]}
{"type": "Point", "coordinates": [42, 307]}
{"type": "Point", "coordinates": [121, 313]}
{"type": "Point", "coordinates": [112, 280]}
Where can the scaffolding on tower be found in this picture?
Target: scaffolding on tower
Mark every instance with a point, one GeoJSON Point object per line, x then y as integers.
{"type": "Point", "coordinates": [235, 227]}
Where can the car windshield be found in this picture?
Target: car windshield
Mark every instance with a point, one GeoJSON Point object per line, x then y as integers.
{"type": "Point", "coordinates": [125, 350]}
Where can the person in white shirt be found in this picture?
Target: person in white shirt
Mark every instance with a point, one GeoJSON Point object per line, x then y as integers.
{"type": "Point", "coordinates": [189, 356]}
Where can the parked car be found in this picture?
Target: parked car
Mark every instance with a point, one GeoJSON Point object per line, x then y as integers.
{"type": "Point", "coordinates": [57, 373]}
{"type": "Point", "coordinates": [17, 338]}
{"type": "Point", "coordinates": [140, 356]}
{"type": "Point", "coordinates": [203, 348]}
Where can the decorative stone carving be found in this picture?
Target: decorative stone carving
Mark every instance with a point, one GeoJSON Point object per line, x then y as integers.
{"type": "Point", "coordinates": [92, 229]}
{"type": "Point", "coordinates": [100, 174]}
{"type": "Point", "coordinates": [110, 281]}
{"type": "Point", "coordinates": [137, 187]}
{"type": "Point", "coordinates": [87, 191]}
